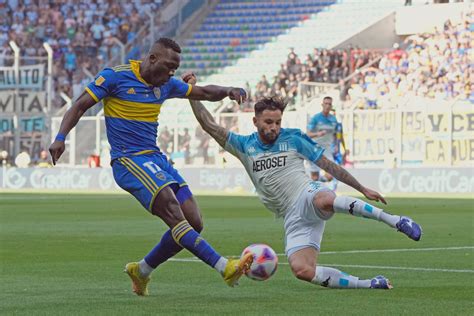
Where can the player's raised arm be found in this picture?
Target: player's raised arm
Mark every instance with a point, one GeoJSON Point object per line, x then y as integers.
{"type": "Point", "coordinates": [344, 176]}
{"type": "Point", "coordinates": [70, 119]}
{"type": "Point", "coordinates": [205, 118]}
{"type": "Point", "coordinates": [213, 92]}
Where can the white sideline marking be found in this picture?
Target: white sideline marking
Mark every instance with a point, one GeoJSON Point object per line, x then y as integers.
{"type": "Point", "coordinates": [194, 259]}
{"type": "Point", "coordinates": [355, 266]}
{"type": "Point", "coordinates": [390, 250]}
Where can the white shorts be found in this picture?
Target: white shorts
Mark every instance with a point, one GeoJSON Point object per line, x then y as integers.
{"type": "Point", "coordinates": [314, 168]}
{"type": "Point", "coordinates": [304, 223]}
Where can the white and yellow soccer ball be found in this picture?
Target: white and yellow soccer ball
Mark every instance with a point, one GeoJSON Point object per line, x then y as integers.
{"type": "Point", "coordinates": [265, 262]}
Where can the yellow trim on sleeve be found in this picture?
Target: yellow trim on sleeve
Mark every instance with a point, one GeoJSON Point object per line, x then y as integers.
{"type": "Point", "coordinates": [190, 88]}
{"type": "Point", "coordinates": [92, 94]}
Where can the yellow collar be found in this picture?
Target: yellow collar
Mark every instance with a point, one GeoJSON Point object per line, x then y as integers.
{"type": "Point", "coordinates": [135, 65]}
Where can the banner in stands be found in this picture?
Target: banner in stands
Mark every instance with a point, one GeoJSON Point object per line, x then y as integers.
{"type": "Point", "coordinates": [28, 77]}
{"type": "Point", "coordinates": [235, 180]}
{"type": "Point", "coordinates": [425, 136]}
{"type": "Point", "coordinates": [22, 101]}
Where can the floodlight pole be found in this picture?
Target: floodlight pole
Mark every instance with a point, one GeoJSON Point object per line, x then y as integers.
{"type": "Point", "coordinates": [16, 70]}
{"type": "Point", "coordinates": [152, 26]}
{"type": "Point", "coordinates": [122, 49]}
{"type": "Point", "coordinates": [72, 134]}
{"type": "Point", "coordinates": [49, 82]}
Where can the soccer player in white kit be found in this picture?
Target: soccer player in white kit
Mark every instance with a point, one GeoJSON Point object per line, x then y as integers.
{"type": "Point", "coordinates": [273, 157]}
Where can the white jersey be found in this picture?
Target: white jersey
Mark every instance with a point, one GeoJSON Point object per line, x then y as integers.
{"type": "Point", "coordinates": [276, 170]}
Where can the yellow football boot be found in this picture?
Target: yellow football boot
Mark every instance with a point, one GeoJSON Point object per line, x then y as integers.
{"type": "Point", "coordinates": [139, 283]}
{"type": "Point", "coordinates": [235, 268]}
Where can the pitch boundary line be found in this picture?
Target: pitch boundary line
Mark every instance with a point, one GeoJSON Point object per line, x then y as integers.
{"type": "Point", "coordinates": [390, 250]}
{"type": "Point", "coordinates": [194, 259]}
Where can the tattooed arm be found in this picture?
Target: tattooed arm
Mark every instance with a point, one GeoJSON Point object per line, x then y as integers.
{"type": "Point", "coordinates": [344, 176]}
{"type": "Point", "coordinates": [208, 124]}
{"type": "Point", "coordinates": [203, 116]}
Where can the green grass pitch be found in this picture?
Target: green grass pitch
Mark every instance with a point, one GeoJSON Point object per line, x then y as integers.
{"type": "Point", "coordinates": [63, 254]}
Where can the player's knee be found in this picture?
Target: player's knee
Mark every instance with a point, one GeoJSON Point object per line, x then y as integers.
{"type": "Point", "coordinates": [303, 272]}
{"type": "Point", "coordinates": [325, 200]}
{"type": "Point", "coordinates": [197, 224]}
{"type": "Point", "coordinates": [169, 211]}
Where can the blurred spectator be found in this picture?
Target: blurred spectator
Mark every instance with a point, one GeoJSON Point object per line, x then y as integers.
{"type": "Point", "coordinates": [434, 65]}
{"type": "Point", "coordinates": [79, 32]}
{"type": "Point", "coordinates": [43, 160]}
{"type": "Point", "coordinates": [165, 140]}
{"type": "Point", "coordinates": [185, 145]}
{"type": "Point", "coordinates": [204, 139]}
{"type": "Point", "coordinates": [323, 65]}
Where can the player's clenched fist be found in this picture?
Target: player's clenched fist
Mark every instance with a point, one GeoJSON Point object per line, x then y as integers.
{"type": "Point", "coordinates": [237, 94]}
{"type": "Point", "coordinates": [189, 77]}
{"type": "Point", "coordinates": [56, 150]}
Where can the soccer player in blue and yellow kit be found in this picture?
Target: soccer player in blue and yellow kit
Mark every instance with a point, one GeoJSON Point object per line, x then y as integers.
{"type": "Point", "coordinates": [132, 95]}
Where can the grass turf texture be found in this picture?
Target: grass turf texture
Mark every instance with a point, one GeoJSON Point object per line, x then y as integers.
{"type": "Point", "coordinates": [64, 254]}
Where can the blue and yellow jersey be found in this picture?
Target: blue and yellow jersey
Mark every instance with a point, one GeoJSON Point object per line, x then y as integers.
{"type": "Point", "coordinates": [132, 106]}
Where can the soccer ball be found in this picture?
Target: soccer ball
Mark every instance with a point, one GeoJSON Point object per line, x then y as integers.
{"type": "Point", "coordinates": [264, 263]}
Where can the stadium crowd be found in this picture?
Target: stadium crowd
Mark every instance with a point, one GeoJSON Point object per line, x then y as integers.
{"type": "Point", "coordinates": [323, 65]}
{"type": "Point", "coordinates": [81, 34]}
{"type": "Point", "coordinates": [434, 65]}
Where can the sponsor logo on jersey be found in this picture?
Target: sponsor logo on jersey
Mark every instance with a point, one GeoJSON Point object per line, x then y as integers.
{"type": "Point", "coordinates": [283, 146]}
{"type": "Point", "coordinates": [160, 175]}
{"type": "Point", "coordinates": [157, 92]}
{"type": "Point", "coordinates": [99, 81]}
{"type": "Point", "coordinates": [269, 163]}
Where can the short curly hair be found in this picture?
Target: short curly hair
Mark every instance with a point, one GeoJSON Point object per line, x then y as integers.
{"type": "Point", "coordinates": [168, 43]}
{"type": "Point", "coordinates": [271, 103]}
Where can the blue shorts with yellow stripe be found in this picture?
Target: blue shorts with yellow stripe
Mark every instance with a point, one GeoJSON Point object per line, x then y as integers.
{"type": "Point", "coordinates": [144, 176]}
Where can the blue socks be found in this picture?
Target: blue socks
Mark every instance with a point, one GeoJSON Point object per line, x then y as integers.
{"type": "Point", "coordinates": [172, 242]}
{"type": "Point", "coordinates": [166, 249]}
{"type": "Point", "coordinates": [187, 237]}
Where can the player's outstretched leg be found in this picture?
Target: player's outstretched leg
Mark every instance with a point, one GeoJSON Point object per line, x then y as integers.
{"type": "Point", "coordinates": [357, 207]}
{"type": "Point", "coordinates": [334, 278]}
{"type": "Point", "coordinates": [167, 247]}
{"type": "Point", "coordinates": [168, 209]}
{"type": "Point", "coordinates": [303, 264]}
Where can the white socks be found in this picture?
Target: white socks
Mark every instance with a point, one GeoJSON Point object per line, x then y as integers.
{"type": "Point", "coordinates": [220, 265]}
{"type": "Point", "coordinates": [357, 207]}
{"type": "Point", "coordinates": [333, 278]}
{"type": "Point", "coordinates": [144, 268]}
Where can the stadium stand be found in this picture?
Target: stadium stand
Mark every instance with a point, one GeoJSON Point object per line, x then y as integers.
{"type": "Point", "coordinates": [236, 28]}
{"type": "Point", "coordinates": [322, 65]}
{"type": "Point", "coordinates": [433, 65]}
{"type": "Point", "coordinates": [324, 28]}
{"type": "Point", "coordinates": [81, 35]}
